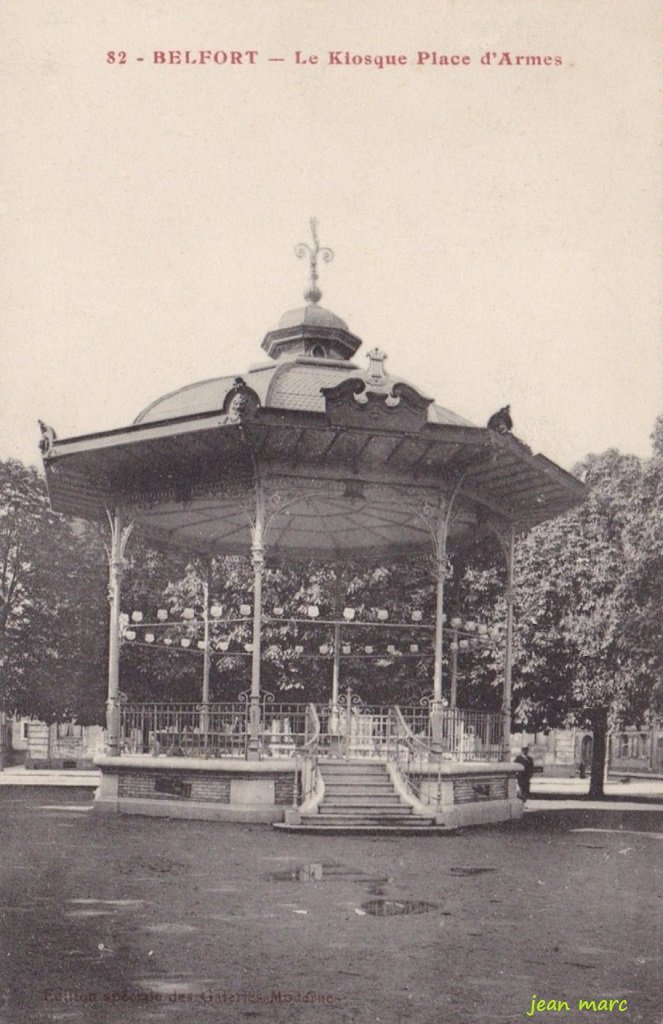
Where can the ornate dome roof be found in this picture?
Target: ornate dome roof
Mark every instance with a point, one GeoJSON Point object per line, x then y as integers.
{"type": "Point", "coordinates": [312, 348]}
{"type": "Point", "coordinates": [295, 384]}
{"type": "Point", "coordinates": [311, 315]}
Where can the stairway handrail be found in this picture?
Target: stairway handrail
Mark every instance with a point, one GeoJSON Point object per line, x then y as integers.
{"type": "Point", "coordinates": [308, 752]}
{"type": "Point", "coordinates": [407, 733]}
{"type": "Point", "coordinates": [402, 757]}
{"type": "Point", "coordinates": [312, 744]}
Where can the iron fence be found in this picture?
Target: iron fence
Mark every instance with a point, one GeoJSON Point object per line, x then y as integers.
{"type": "Point", "coordinates": [456, 733]}
{"type": "Point", "coordinates": [213, 730]}
{"type": "Point", "coordinates": [351, 729]}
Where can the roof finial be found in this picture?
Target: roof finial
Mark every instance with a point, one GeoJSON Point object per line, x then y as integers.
{"type": "Point", "coordinates": [313, 293]}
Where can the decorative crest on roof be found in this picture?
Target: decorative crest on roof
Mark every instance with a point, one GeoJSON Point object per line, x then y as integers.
{"type": "Point", "coordinates": [376, 361]}
{"type": "Point", "coordinates": [313, 293]}
{"type": "Point", "coordinates": [377, 382]}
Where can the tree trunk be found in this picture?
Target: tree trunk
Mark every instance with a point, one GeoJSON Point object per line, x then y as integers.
{"type": "Point", "coordinates": [599, 720]}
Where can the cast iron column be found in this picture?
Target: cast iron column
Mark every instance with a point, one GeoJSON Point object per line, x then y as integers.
{"type": "Point", "coordinates": [119, 536]}
{"type": "Point", "coordinates": [258, 560]}
{"type": "Point", "coordinates": [204, 715]}
{"type": "Point", "coordinates": [441, 574]}
{"type": "Point", "coordinates": [453, 698]}
{"type": "Point", "coordinates": [509, 552]}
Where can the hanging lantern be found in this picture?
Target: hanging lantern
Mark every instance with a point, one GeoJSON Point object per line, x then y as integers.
{"type": "Point", "coordinates": [216, 611]}
{"type": "Point", "coordinates": [149, 638]}
{"type": "Point", "coordinates": [463, 644]}
{"type": "Point", "coordinates": [391, 649]}
{"type": "Point", "coordinates": [278, 611]}
{"type": "Point", "coordinates": [444, 616]}
{"type": "Point", "coordinates": [248, 648]}
{"type": "Point", "coordinates": [299, 649]}
{"type": "Point", "coordinates": [454, 645]}
{"type": "Point", "coordinates": [346, 649]}
{"type": "Point", "coordinates": [483, 628]}
{"type": "Point", "coordinates": [368, 649]}
{"type": "Point", "coordinates": [471, 626]}
{"type": "Point", "coordinates": [245, 609]}
{"type": "Point", "coordinates": [168, 641]}
{"type": "Point", "coordinates": [417, 616]}
{"type": "Point", "coordinates": [136, 616]}
{"type": "Point", "coordinates": [223, 645]}
{"type": "Point", "coordinates": [130, 634]}
{"type": "Point", "coordinates": [324, 649]}
{"type": "Point", "coordinates": [162, 614]}
{"type": "Point", "coordinates": [185, 642]}
{"type": "Point", "coordinates": [313, 611]}
{"type": "Point", "coordinates": [348, 614]}
{"type": "Point", "coordinates": [201, 645]}
{"type": "Point", "coordinates": [414, 648]}
{"type": "Point", "coordinates": [456, 622]}
{"type": "Point", "coordinates": [383, 614]}
{"type": "Point", "coordinates": [187, 613]}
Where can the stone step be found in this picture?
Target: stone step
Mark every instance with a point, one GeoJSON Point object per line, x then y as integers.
{"type": "Point", "coordinates": [366, 811]}
{"type": "Point", "coordinates": [359, 793]}
{"type": "Point", "coordinates": [383, 788]}
{"type": "Point", "coordinates": [362, 800]}
{"type": "Point", "coordinates": [351, 823]}
{"type": "Point", "coordinates": [406, 829]}
{"type": "Point", "coordinates": [350, 775]}
{"type": "Point", "coordinates": [336, 779]}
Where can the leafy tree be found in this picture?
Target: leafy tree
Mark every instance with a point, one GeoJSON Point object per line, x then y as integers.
{"type": "Point", "coordinates": [588, 608]}
{"type": "Point", "coordinates": [52, 606]}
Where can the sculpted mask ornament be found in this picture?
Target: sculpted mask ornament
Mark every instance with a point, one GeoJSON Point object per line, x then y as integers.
{"type": "Point", "coordinates": [241, 401]}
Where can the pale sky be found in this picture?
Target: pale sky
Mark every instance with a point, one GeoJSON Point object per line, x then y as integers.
{"type": "Point", "coordinates": [498, 230]}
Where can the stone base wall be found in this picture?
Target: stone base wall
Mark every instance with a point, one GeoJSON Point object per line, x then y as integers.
{"type": "Point", "coordinates": [476, 794]}
{"type": "Point", "coordinates": [185, 788]}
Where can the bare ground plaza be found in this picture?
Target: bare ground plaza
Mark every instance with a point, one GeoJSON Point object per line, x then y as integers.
{"type": "Point", "coordinates": [121, 918]}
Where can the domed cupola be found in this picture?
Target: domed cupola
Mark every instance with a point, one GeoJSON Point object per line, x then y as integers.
{"type": "Point", "coordinates": [311, 330]}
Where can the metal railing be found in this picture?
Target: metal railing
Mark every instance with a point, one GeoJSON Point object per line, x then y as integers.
{"type": "Point", "coordinates": [457, 734]}
{"type": "Point", "coordinates": [213, 730]}
{"type": "Point", "coordinates": [306, 760]}
{"type": "Point", "coordinates": [419, 754]}
{"type": "Point", "coordinates": [351, 729]}
{"type": "Point", "coordinates": [411, 755]}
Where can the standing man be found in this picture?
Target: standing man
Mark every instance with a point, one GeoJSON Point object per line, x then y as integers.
{"type": "Point", "coordinates": [526, 774]}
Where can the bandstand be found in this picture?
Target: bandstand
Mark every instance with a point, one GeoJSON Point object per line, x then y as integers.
{"type": "Point", "coordinates": [307, 455]}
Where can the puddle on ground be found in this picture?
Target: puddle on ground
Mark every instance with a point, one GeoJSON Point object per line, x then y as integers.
{"type": "Point", "coordinates": [90, 912]}
{"type": "Point", "coordinates": [320, 872]}
{"type": "Point", "coordinates": [109, 903]}
{"type": "Point", "coordinates": [468, 872]}
{"type": "Point", "coordinates": [169, 986]}
{"type": "Point", "coordinates": [395, 908]}
{"type": "Point", "coordinates": [74, 808]}
{"type": "Point", "coordinates": [168, 928]}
